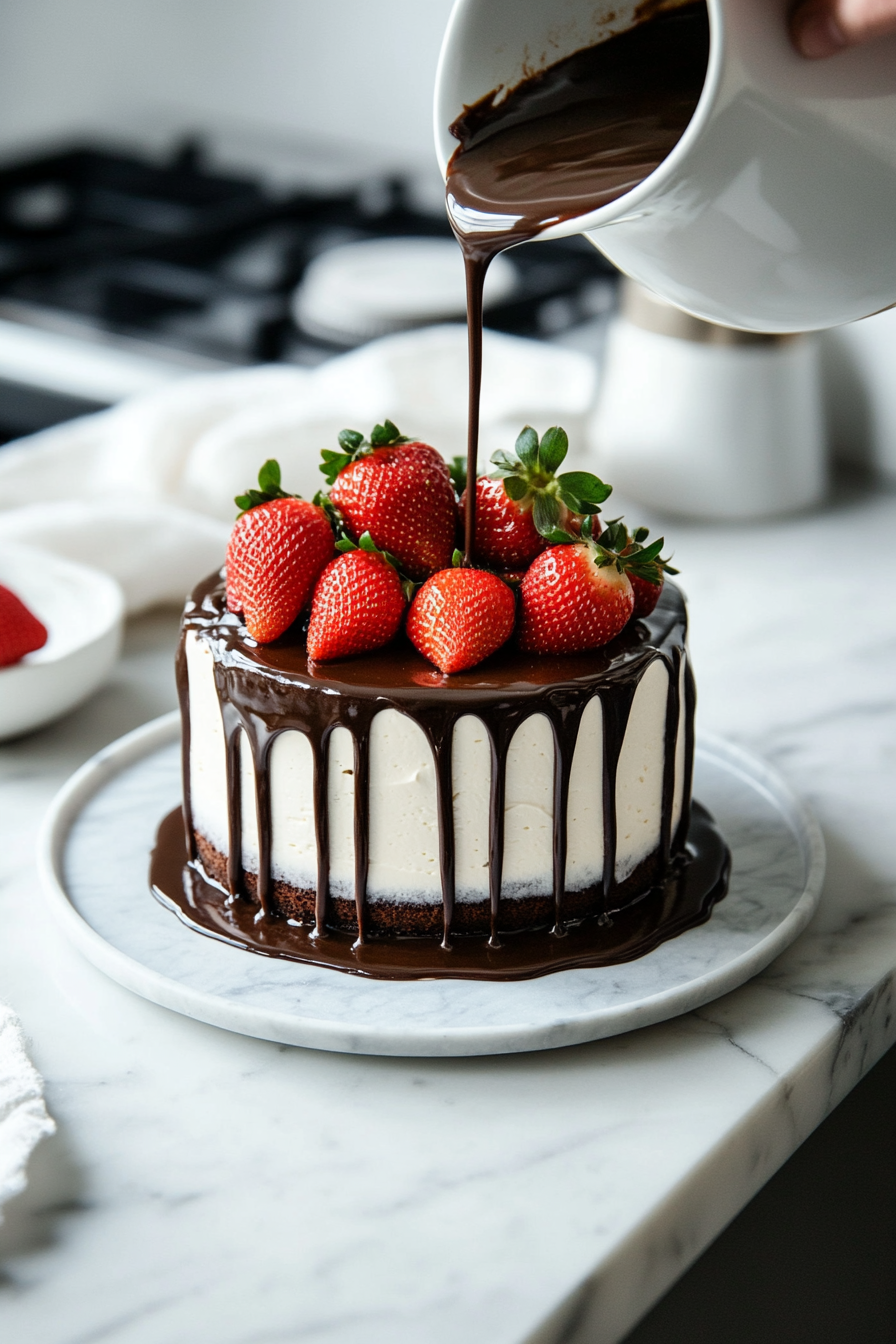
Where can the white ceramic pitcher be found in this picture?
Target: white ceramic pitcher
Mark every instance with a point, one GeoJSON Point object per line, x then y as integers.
{"type": "Point", "coordinates": [775, 212]}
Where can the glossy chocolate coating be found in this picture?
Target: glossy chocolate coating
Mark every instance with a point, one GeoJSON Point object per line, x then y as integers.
{"type": "Point", "coordinates": [268, 689]}
{"type": "Point", "coordinates": [685, 898]}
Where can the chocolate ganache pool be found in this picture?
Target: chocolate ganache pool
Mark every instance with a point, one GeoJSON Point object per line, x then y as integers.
{"type": "Point", "coordinates": [375, 816]}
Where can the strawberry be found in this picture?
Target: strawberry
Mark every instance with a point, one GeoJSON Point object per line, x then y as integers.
{"type": "Point", "coordinates": [532, 506]}
{"type": "Point", "coordinates": [399, 491]}
{"type": "Point", "coordinates": [277, 549]}
{"type": "Point", "coordinates": [646, 593]}
{"type": "Point", "coordinates": [460, 616]}
{"type": "Point", "coordinates": [647, 575]}
{"type": "Point", "coordinates": [579, 595]}
{"type": "Point", "coordinates": [505, 536]}
{"type": "Point", "coordinates": [570, 602]}
{"type": "Point", "coordinates": [358, 603]}
{"type": "Point", "coordinates": [20, 630]}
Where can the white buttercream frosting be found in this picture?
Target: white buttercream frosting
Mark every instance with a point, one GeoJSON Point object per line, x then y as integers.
{"type": "Point", "coordinates": [403, 819]}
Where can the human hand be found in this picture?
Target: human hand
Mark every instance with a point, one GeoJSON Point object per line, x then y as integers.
{"type": "Point", "coordinates": [823, 27]}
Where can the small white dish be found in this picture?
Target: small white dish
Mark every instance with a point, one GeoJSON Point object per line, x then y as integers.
{"type": "Point", "coordinates": [83, 610]}
{"type": "Point", "coordinates": [94, 859]}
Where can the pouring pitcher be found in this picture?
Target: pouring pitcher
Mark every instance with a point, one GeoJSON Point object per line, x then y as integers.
{"type": "Point", "coordinates": [776, 209]}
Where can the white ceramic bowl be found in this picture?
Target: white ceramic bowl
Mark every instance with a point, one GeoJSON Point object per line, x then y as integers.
{"type": "Point", "coordinates": [83, 611]}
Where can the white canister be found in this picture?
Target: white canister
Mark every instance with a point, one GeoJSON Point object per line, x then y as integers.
{"type": "Point", "coordinates": [859, 362]}
{"type": "Point", "coordinates": [699, 420]}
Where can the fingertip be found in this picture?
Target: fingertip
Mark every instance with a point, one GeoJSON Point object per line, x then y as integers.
{"type": "Point", "coordinates": [815, 32]}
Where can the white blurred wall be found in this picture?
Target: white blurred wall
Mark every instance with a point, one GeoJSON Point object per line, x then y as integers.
{"type": "Point", "coordinates": [356, 71]}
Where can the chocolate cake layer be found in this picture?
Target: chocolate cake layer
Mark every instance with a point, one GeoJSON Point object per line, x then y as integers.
{"type": "Point", "coordinates": [691, 887]}
{"type": "Point", "coordinates": [387, 919]}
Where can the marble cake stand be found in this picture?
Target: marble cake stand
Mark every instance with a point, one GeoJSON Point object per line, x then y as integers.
{"type": "Point", "coordinates": [94, 861]}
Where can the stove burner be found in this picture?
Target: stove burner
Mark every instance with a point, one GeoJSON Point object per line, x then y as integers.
{"type": "Point", "coordinates": [191, 262]}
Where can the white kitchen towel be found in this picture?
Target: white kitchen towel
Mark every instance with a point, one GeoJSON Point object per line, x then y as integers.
{"type": "Point", "coordinates": [23, 1117]}
{"type": "Point", "coordinates": [145, 490]}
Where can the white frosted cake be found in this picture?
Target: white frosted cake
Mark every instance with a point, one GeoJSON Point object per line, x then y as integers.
{"type": "Point", "coordinates": [379, 796]}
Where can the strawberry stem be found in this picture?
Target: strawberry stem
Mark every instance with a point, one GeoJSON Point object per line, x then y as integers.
{"type": "Point", "coordinates": [354, 445]}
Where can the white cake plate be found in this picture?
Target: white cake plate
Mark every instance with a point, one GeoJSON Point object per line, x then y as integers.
{"type": "Point", "coordinates": [95, 859]}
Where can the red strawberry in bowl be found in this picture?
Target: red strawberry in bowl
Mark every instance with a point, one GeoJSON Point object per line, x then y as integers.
{"type": "Point", "coordinates": [461, 616]}
{"type": "Point", "coordinates": [399, 491]}
{"type": "Point", "coordinates": [20, 630]}
{"type": "Point", "coordinates": [528, 505]}
{"type": "Point", "coordinates": [277, 549]}
{"type": "Point", "coordinates": [358, 603]}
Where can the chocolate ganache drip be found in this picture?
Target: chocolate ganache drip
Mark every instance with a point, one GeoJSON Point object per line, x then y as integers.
{"type": "Point", "coordinates": [562, 143]}
{"type": "Point", "coordinates": [266, 690]}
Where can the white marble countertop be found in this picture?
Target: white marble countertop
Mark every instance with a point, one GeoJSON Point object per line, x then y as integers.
{"type": "Point", "coordinates": [206, 1188]}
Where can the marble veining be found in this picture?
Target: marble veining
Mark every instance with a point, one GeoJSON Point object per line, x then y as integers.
{"type": "Point", "coordinates": [521, 1199]}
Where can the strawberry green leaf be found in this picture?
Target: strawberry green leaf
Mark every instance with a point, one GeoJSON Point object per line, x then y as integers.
{"type": "Point", "coordinates": [650, 552]}
{"type": "Point", "coordinates": [586, 486]}
{"type": "Point", "coordinates": [554, 447]}
{"type": "Point", "coordinates": [458, 473]}
{"type": "Point", "coordinates": [269, 483]}
{"type": "Point", "coordinates": [269, 476]}
{"type": "Point", "coordinates": [457, 558]}
{"type": "Point", "coordinates": [350, 440]}
{"type": "Point", "coordinates": [558, 537]}
{"type": "Point", "coordinates": [614, 536]}
{"type": "Point", "coordinates": [641, 534]}
{"type": "Point", "coordinates": [381, 436]}
{"type": "Point", "coordinates": [545, 513]}
{"type": "Point", "coordinates": [367, 543]}
{"type": "Point", "coordinates": [527, 447]}
{"type": "Point", "coordinates": [577, 504]}
{"type": "Point", "coordinates": [333, 463]}
{"type": "Point", "coordinates": [505, 463]}
{"type": "Point", "coordinates": [515, 487]}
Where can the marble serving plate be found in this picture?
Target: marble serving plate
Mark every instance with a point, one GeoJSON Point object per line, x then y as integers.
{"type": "Point", "coordinates": [95, 856]}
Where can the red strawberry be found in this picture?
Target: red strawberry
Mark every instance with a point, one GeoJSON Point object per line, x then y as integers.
{"type": "Point", "coordinates": [647, 594]}
{"type": "Point", "coordinates": [505, 537]}
{"type": "Point", "coordinates": [460, 616]}
{"type": "Point", "coordinates": [20, 630]}
{"type": "Point", "coordinates": [357, 606]}
{"type": "Point", "coordinates": [532, 506]}
{"type": "Point", "coordinates": [644, 564]}
{"type": "Point", "coordinates": [572, 601]}
{"type": "Point", "coordinates": [397, 490]}
{"type": "Point", "coordinates": [276, 552]}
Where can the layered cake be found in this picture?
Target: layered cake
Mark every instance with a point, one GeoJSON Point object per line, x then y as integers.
{"type": "Point", "coordinates": [461, 795]}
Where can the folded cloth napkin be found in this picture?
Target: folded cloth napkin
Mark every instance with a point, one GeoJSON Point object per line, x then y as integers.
{"type": "Point", "coordinates": [145, 490]}
{"type": "Point", "coordinates": [23, 1116]}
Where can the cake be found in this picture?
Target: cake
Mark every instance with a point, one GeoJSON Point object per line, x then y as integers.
{"type": "Point", "coordinates": [377, 813]}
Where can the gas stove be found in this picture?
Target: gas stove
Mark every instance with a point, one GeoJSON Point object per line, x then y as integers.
{"type": "Point", "coordinates": [119, 271]}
